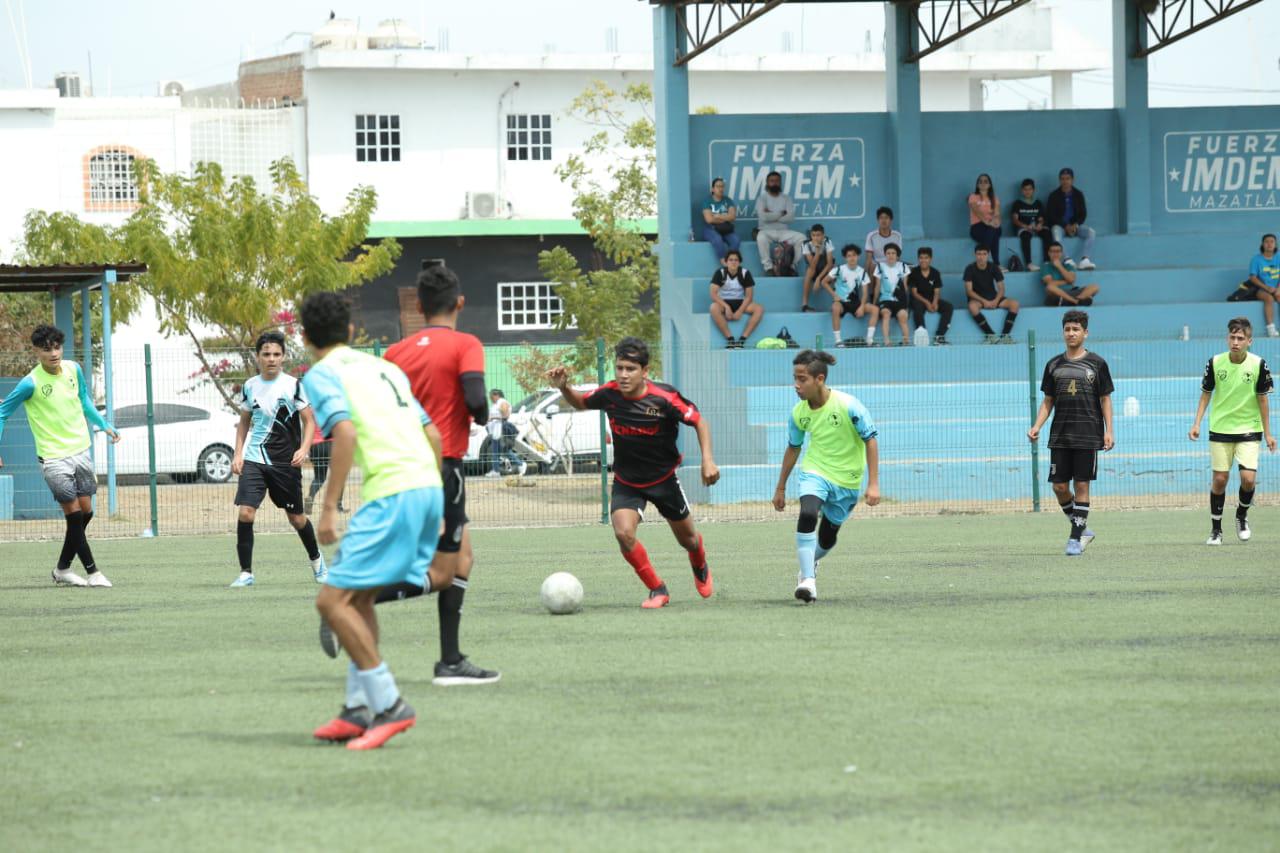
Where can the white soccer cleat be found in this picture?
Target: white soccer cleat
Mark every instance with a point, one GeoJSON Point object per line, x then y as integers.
{"type": "Point", "coordinates": [243, 579]}
{"type": "Point", "coordinates": [492, 474]}
{"type": "Point", "coordinates": [1086, 264]}
{"type": "Point", "coordinates": [807, 590]}
{"type": "Point", "coordinates": [99, 579]}
{"type": "Point", "coordinates": [1215, 538]}
{"type": "Point", "coordinates": [66, 577]}
{"type": "Point", "coordinates": [1242, 529]}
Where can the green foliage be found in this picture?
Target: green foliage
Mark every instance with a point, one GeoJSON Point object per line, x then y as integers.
{"type": "Point", "coordinates": [530, 367]}
{"type": "Point", "coordinates": [614, 186]}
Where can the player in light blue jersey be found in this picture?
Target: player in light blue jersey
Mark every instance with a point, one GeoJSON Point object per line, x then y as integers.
{"type": "Point", "coordinates": [366, 405]}
{"type": "Point", "coordinates": [273, 439]}
{"type": "Point", "coordinates": [842, 447]}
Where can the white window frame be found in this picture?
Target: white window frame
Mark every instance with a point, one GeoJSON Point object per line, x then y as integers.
{"type": "Point", "coordinates": [528, 137]}
{"type": "Point", "coordinates": [112, 185]}
{"type": "Point", "coordinates": [520, 308]}
{"type": "Point", "coordinates": [378, 137]}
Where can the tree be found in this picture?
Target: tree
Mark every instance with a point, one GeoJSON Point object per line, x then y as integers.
{"type": "Point", "coordinates": [614, 186]}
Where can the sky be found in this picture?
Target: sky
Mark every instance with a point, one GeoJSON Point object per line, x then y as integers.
{"type": "Point", "coordinates": [130, 45]}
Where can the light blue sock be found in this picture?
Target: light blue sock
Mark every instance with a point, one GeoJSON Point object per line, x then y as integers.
{"type": "Point", "coordinates": [806, 543]}
{"type": "Point", "coordinates": [356, 697]}
{"type": "Point", "coordinates": [380, 686]}
{"type": "Point", "coordinates": [820, 552]}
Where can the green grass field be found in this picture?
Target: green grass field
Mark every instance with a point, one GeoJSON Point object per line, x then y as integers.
{"type": "Point", "coordinates": [960, 685]}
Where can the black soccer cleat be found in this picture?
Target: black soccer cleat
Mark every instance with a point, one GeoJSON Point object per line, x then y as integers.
{"type": "Point", "coordinates": [463, 672]}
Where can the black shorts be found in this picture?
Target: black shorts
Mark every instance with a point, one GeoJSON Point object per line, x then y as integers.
{"type": "Point", "coordinates": [734, 304]}
{"type": "Point", "coordinates": [455, 507]}
{"type": "Point", "coordinates": [850, 306]}
{"type": "Point", "coordinates": [1070, 463]}
{"type": "Point", "coordinates": [893, 306]}
{"type": "Point", "coordinates": [667, 496]}
{"type": "Point", "coordinates": [283, 484]}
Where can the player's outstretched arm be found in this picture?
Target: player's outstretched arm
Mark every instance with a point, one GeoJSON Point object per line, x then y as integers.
{"type": "Point", "coordinates": [1194, 432]}
{"type": "Point", "coordinates": [1108, 424]}
{"type": "Point", "coordinates": [559, 379]}
{"type": "Point", "coordinates": [242, 432]}
{"type": "Point", "coordinates": [789, 458]}
{"type": "Point", "coordinates": [308, 436]}
{"type": "Point", "coordinates": [20, 394]}
{"type": "Point", "coordinates": [710, 472]}
{"type": "Point", "coordinates": [1046, 407]}
{"type": "Point", "coordinates": [340, 459]}
{"type": "Point", "coordinates": [873, 471]}
{"type": "Point", "coordinates": [91, 414]}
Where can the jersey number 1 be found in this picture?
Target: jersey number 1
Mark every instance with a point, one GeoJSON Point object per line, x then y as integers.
{"type": "Point", "coordinates": [399, 400]}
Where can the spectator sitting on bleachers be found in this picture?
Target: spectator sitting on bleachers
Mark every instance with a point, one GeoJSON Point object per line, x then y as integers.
{"type": "Point", "coordinates": [925, 284]}
{"type": "Point", "coordinates": [775, 211]}
{"type": "Point", "coordinates": [1263, 283]}
{"type": "Point", "coordinates": [732, 296]}
{"type": "Point", "coordinates": [984, 285]}
{"type": "Point", "coordinates": [1060, 288]}
{"type": "Point", "coordinates": [882, 235]}
{"type": "Point", "coordinates": [891, 290]}
{"type": "Point", "coordinates": [984, 216]}
{"type": "Point", "coordinates": [1066, 213]}
{"type": "Point", "coordinates": [851, 293]}
{"type": "Point", "coordinates": [719, 213]}
{"type": "Point", "coordinates": [1028, 220]}
{"type": "Point", "coordinates": [819, 258]}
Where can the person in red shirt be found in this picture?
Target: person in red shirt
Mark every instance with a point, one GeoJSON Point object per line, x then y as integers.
{"type": "Point", "coordinates": [645, 417]}
{"type": "Point", "coordinates": [446, 372]}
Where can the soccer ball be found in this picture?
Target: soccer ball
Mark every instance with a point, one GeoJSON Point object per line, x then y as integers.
{"type": "Point", "coordinates": [562, 593]}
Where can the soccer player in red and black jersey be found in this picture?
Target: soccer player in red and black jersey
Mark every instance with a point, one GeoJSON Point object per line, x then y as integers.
{"type": "Point", "coordinates": [446, 371]}
{"type": "Point", "coordinates": [644, 417]}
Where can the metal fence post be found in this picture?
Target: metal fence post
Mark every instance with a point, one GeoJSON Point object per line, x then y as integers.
{"type": "Point", "coordinates": [1032, 397]}
{"type": "Point", "coordinates": [377, 349]}
{"type": "Point", "coordinates": [817, 343]}
{"type": "Point", "coordinates": [604, 435]}
{"type": "Point", "coordinates": [151, 445]}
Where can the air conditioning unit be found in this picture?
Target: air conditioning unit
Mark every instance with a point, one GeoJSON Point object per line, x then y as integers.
{"type": "Point", "coordinates": [482, 205]}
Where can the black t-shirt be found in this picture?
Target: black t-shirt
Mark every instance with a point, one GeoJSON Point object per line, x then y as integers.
{"type": "Point", "coordinates": [644, 430]}
{"type": "Point", "coordinates": [926, 286]}
{"type": "Point", "coordinates": [1077, 388]}
{"type": "Point", "coordinates": [984, 281]}
{"type": "Point", "coordinates": [1027, 211]}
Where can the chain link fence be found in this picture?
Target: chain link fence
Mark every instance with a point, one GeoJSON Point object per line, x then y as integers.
{"type": "Point", "coordinates": [952, 433]}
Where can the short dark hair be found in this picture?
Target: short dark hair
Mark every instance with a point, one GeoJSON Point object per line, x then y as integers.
{"type": "Point", "coordinates": [1027, 182]}
{"type": "Point", "coordinates": [895, 247]}
{"type": "Point", "coordinates": [1075, 316]}
{"type": "Point", "coordinates": [815, 362]}
{"type": "Point", "coordinates": [884, 209]}
{"type": "Point", "coordinates": [326, 319]}
{"type": "Point", "coordinates": [717, 180]}
{"type": "Point", "coordinates": [850, 247]}
{"type": "Point", "coordinates": [924, 250]}
{"type": "Point", "coordinates": [1240, 324]}
{"type": "Point", "coordinates": [632, 348]}
{"type": "Point", "coordinates": [1263, 241]}
{"type": "Point", "coordinates": [1066, 170]}
{"type": "Point", "coordinates": [271, 337]}
{"type": "Point", "coordinates": [735, 253]}
{"type": "Point", "coordinates": [496, 391]}
{"type": "Point", "coordinates": [978, 247]}
{"type": "Point", "coordinates": [817, 226]}
{"type": "Point", "coordinates": [45, 336]}
{"type": "Point", "coordinates": [438, 289]}
{"type": "Point", "coordinates": [1053, 245]}
{"type": "Point", "coordinates": [772, 174]}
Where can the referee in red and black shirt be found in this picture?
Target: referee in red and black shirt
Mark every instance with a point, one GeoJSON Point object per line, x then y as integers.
{"type": "Point", "coordinates": [644, 418]}
{"type": "Point", "coordinates": [446, 371]}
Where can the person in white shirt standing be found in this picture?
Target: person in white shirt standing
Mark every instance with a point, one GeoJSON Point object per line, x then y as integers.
{"type": "Point", "coordinates": [775, 211]}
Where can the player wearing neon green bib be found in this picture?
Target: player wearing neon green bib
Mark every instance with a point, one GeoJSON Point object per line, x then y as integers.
{"type": "Point", "coordinates": [1237, 382]}
{"type": "Point", "coordinates": [60, 412]}
{"type": "Point", "coordinates": [842, 447]}
{"type": "Point", "coordinates": [366, 405]}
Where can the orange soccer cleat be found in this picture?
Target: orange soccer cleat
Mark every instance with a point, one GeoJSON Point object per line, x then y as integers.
{"type": "Point", "coordinates": [657, 598]}
{"type": "Point", "coordinates": [350, 723]}
{"type": "Point", "coordinates": [391, 722]}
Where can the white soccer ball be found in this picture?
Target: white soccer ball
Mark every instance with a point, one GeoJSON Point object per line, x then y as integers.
{"type": "Point", "coordinates": [562, 593]}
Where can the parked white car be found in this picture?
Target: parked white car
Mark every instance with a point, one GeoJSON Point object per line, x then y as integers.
{"type": "Point", "coordinates": [549, 433]}
{"type": "Point", "coordinates": [192, 441]}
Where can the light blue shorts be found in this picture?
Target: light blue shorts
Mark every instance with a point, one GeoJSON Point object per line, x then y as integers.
{"type": "Point", "coordinates": [390, 540]}
{"type": "Point", "coordinates": [837, 501]}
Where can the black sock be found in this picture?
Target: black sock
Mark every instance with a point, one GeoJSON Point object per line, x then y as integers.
{"type": "Point", "coordinates": [983, 324]}
{"type": "Point", "coordinates": [449, 604]}
{"type": "Point", "coordinates": [1008, 322]}
{"type": "Point", "coordinates": [1068, 508]}
{"type": "Point", "coordinates": [1079, 519]}
{"type": "Point", "coordinates": [244, 545]}
{"type": "Point", "coordinates": [82, 550]}
{"type": "Point", "coordinates": [71, 539]}
{"type": "Point", "coordinates": [399, 592]}
{"type": "Point", "coordinates": [1246, 501]}
{"type": "Point", "coordinates": [308, 536]}
{"type": "Point", "coordinates": [1216, 503]}
{"type": "Point", "coordinates": [88, 517]}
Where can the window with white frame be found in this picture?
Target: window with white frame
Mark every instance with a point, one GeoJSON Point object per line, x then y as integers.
{"type": "Point", "coordinates": [529, 137]}
{"type": "Point", "coordinates": [377, 138]}
{"type": "Point", "coordinates": [524, 305]}
{"type": "Point", "coordinates": [111, 184]}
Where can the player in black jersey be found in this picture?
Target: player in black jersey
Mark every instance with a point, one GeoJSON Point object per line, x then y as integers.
{"type": "Point", "coordinates": [645, 417]}
{"type": "Point", "coordinates": [1078, 384]}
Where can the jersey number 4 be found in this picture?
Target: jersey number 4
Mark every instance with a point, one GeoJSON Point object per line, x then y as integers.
{"type": "Point", "coordinates": [402, 404]}
{"type": "Point", "coordinates": [1071, 389]}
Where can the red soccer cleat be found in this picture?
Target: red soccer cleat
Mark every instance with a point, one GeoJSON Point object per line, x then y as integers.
{"type": "Point", "coordinates": [391, 722]}
{"type": "Point", "coordinates": [350, 723]}
{"type": "Point", "coordinates": [657, 598]}
{"type": "Point", "coordinates": [705, 585]}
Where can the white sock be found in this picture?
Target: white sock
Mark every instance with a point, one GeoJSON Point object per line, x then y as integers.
{"type": "Point", "coordinates": [871, 334]}
{"type": "Point", "coordinates": [839, 338]}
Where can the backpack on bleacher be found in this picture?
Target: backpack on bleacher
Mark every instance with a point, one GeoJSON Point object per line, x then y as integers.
{"type": "Point", "coordinates": [1015, 263]}
{"type": "Point", "coordinates": [784, 259]}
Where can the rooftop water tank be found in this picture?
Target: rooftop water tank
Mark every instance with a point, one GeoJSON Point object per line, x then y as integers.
{"type": "Point", "coordinates": [395, 33]}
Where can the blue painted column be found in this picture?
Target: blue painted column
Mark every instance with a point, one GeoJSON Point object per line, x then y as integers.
{"type": "Point", "coordinates": [902, 86]}
{"type": "Point", "coordinates": [671, 114]}
{"type": "Point", "coordinates": [108, 279]}
{"type": "Point", "coordinates": [1133, 115]}
{"type": "Point", "coordinates": [64, 314]}
{"type": "Point", "coordinates": [86, 353]}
